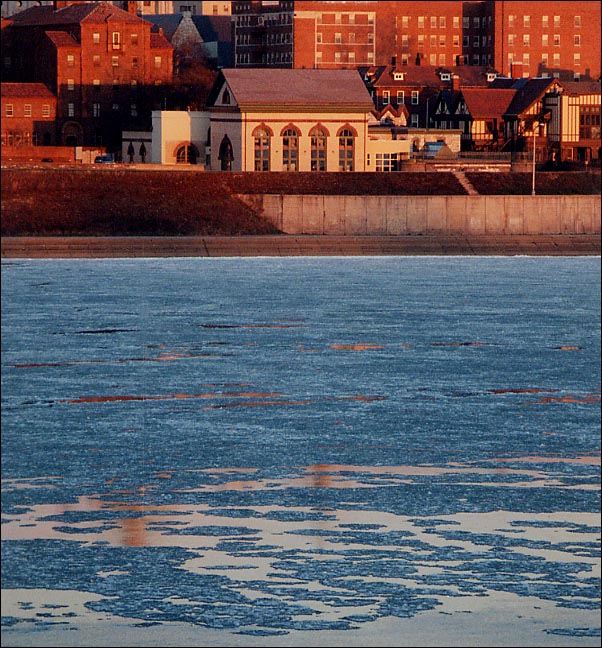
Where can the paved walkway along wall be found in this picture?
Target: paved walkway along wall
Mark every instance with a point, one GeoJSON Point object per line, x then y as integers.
{"type": "Point", "coordinates": [442, 215]}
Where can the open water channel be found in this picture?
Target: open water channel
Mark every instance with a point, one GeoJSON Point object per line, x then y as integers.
{"type": "Point", "coordinates": [370, 451]}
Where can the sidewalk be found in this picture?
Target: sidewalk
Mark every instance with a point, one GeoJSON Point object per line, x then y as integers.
{"type": "Point", "coordinates": [231, 246]}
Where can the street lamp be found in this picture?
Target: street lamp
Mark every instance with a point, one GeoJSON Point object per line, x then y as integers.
{"type": "Point", "coordinates": [535, 127]}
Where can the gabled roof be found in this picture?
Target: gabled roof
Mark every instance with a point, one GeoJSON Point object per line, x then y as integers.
{"type": "Point", "coordinates": [213, 28]}
{"type": "Point", "coordinates": [159, 41]}
{"type": "Point", "coordinates": [487, 102]}
{"type": "Point", "coordinates": [294, 87]}
{"type": "Point", "coordinates": [169, 23]}
{"type": "Point", "coordinates": [582, 87]}
{"type": "Point", "coordinates": [88, 12]}
{"type": "Point", "coordinates": [531, 92]}
{"type": "Point", "coordinates": [25, 90]}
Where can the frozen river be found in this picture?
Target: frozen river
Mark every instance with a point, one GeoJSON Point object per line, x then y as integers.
{"type": "Point", "coordinates": [301, 451]}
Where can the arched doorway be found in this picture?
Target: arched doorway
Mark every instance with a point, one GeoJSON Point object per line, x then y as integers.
{"type": "Point", "coordinates": [72, 134]}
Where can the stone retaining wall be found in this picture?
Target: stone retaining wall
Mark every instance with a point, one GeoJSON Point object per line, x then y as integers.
{"type": "Point", "coordinates": [441, 215]}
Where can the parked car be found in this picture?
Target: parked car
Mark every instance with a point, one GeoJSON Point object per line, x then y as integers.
{"type": "Point", "coordinates": [104, 159]}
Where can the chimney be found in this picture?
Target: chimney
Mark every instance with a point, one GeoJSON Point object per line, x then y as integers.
{"type": "Point", "coordinates": [455, 82]}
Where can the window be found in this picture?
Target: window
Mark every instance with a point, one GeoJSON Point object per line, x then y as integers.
{"type": "Point", "coordinates": [116, 40]}
{"type": "Point", "coordinates": [9, 110]}
{"type": "Point", "coordinates": [465, 22]}
{"type": "Point", "coordinates": [432, 59]}
{"type": "Point", "coordinates": [442, 41]}
{"type": "Point", "coordinates": [544, 40]}
{"type": "Point", "coordinates": [386, 162]}
{"type": "Point", "coordinates": [544, 59]}
{"type": "Point", "coordinates": [337, 38]}
{"type": "Point", "coordinates": [420, 22]}
{"type": "Point", "coordinates": [433, 22]}
{"type": "Point", "coordinates": [556, 40]}
{"type": "Point", "coordinates": [526, 40]}
{"type": "Point", "coordinates": [186, 154]}
{"type": "Point", "coordinates": [318, 149]}
{"type": "Point", "coordinates": [70, 60]}
{"type": "Point", "coordinates": [386, 97]}
{"type": "Point", "coordinates": [96, 60]}
{"type": "Point", "coordinates": [134, 39]}
{"type": "Point", "coordinates": [96, 38]}
{"type": "Point", "coordinates": [133, 110]}
{"type": "Point", "coordinates": [456, 22]}
{"type": "Point", "coordinates": [526, 59]}
{"type": "Point", "coordinates": [545, 22]}
{"type": "Point", "coordinates": [476, 22]}
{"type": "Point", "coordinates": [511, 20]}
{"type": "Point", "coordinates": [577, 40]}
{"type": "Point", "coordinates": [115, 61]}
{"type": "Point", "coordinates": [433, 41]}
{"type": "Point", "coordinates": [526, 21]}
{"type": "Point", "coordinates": [346, 150]}
{"type": "Point", "coordinates": [45, 110]}
{"type": "Point", "coordinates": [70, 84]}
{"type": "Point", "coordinates": [511, 38]}
{"type": "Point", "coordinates": [71, 110]}
{"type": "Point", "coordinates": [405, 22]}
{"type": "Point", "coordinates": [134, 62]}
{"type": "Point", "coordinates": [577, 22]}
{"type": "Point", "coordinates": [577, 60]}
{"type": "Point", "coordinates": [337, 57]}
{"type": "Point", "coordinates": [115, 106]}
{"type": "Point", "coordinates": [556, 60]}
{"type": "Point", "coordinates": [319, 37]}
{"type": "Point", "coordinates": [262, 150]}
{"type": "Point", "coordinates": [157, 62]}
{"type": "Point", "coordinates": [556, 21]}
{"type": "Point", "coordinates": [96, 83]}
{"type": "Point", "coordinates": [290, 150]}
{"type": "Point", "coordinates": [442, 22]}
{"type": "Point", "coordinates": [27, 110]}
{"type": "Point", "coordinates": [400, 97]}
{"type": "Point", "coordinates": [96, 110]}
{"type": "Point", "coordinates": [414, 121]}
{"type": "Point", "coordinates": [415, 95]}
{"type": "Point", "coordinates": [441, 59]}
{"type": "Point", "coordinates": [589, 122]}
{"type": "Point", "coordinates": [351, 57]}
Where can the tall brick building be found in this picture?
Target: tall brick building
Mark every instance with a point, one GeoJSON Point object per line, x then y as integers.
{"type": "Point", "coordinates": [105, 67]}
{"type": "Point", "coordinates": [556, 39]}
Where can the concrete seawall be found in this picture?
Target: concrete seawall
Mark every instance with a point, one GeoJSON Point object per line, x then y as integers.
{"type": "Point", "coordinates": [429, 215]}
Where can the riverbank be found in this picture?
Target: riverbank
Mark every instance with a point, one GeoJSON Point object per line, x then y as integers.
{"type": "Point", "coordinates": [282, 245]}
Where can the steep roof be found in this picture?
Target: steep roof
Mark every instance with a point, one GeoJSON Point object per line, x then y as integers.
{"type": "Point", "coordinates": [531, 92]}
{"type": "Point", "coordinates": [296, 87]}
{"type": "Point", "coordinates": [486, 102]}
{"type": "Point", "coordinates": [89, 12]}
{"type": "Point", "coordinates": [62, 39]}
{"type": "Point", "coordinates": [213, 28]}
{"type": "Point", "coordinates": [582, 87]}
{"type": "Point", "coordinates": [25, 90]}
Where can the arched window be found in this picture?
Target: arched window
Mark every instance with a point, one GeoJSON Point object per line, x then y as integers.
{"type": "Point", "coordinates": [346, 149]}
{"type": "Point", "coordinates": [318, 149]}
{"type": "Point", "coordinates": [187, 154]}
{"type": "Point", "coordinates": [262, 149]}
{"type": "Point", "coordinates": [290, 149]}
{"type": "Point", "coordinates": [226, 97]}
{"type": "Point", "coordinates": [226, 154]}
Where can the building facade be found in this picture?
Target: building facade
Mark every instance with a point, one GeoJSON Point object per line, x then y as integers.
{"type": "Point", "coordinates": [522, 39]}
{"type": "Point", "coordinates": [105, 67]}
{"type": "Point", "coordinates": [28, 115]}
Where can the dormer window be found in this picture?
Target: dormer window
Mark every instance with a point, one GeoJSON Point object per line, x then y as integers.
{"type": "Point", "coordinates": [398, 76]}
{"type": "Point", "coordinates": [491, 76]}
{"type": "Point", "coordinates": [445, 76]}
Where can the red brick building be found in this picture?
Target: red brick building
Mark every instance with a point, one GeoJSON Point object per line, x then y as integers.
{"type": "Point", "coordinates": [107, 69]}
{"type": "Point", "coordinates": [28, 115]}
{"type": "Point", "coordinates": [556, 39]}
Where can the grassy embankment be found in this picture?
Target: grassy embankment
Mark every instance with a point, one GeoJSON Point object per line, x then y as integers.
{"type": "Point", "coordinates": [127, 202]}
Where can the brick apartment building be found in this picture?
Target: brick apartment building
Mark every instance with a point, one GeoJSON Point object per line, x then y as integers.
{"type": "Point", "coordinates": [28, 115]}
{"type": "Point", "coordinates": [556, 39]}
{"type": "Point", "coordinates": [105, 67]}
